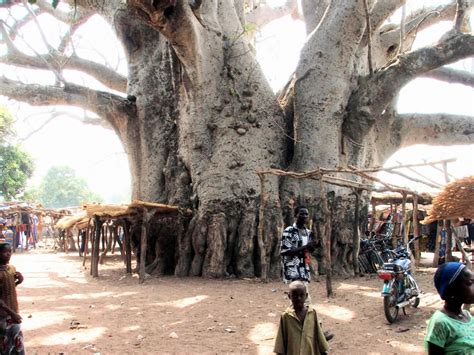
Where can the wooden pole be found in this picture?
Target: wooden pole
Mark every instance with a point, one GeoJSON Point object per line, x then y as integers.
{"type": "Point", "coordinates": [356, 234]}
{"type": "Point", "coordinates": [128, 247]}
{"type": "Point", "coordinates": [403, 224]}
{"type": "Point", "coordinates": [395, 230]}
{"type": "Point", "coordinates": [437, 244]}
{"type": "Point", "coordinates": [449, 240]}
{"type": "Point", "coordinates": [416, 232]}
{"type": "Point", "coordinates": [86, 242]}
{"type": "Point", "coordinates": [96, 247]}
{"type": "Point", "coordinates": [372, 220]}
{"type": "Point", "coordinates": [326, 236]}
{"type": "Point", "coordinates": [261, 229]}
{"type": "Point", "coordinates": [143, 243]}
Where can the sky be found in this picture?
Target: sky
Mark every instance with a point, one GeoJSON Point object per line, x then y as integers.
{"type": "Point", "coordinates": [96, 154]}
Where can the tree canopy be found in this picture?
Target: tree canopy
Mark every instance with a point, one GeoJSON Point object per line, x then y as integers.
{"type": "Point", "coordinates": [16, 166]}
{"type": "Point", "coordinates": [60, 187]}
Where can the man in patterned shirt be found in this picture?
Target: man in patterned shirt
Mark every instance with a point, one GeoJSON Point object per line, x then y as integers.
{"type": "Point", "coordinates": [296, 247]}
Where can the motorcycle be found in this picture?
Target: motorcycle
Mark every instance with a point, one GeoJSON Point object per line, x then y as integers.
{"type": "Point", "coordinates": [400, 288]}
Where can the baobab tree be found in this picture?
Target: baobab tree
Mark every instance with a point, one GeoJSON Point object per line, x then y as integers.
{"type": "Point", "coordinates": [197, 117]}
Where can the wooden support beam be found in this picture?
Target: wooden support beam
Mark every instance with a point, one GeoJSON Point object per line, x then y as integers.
{"type": "Point", "coordinates": [404, 224]}
{"type": "Point", "coordinates": [146, 216]}
{"type": "Point", "coordinates": [439, 230]}
{"type": "Point", "coordinates": [326, 237]}
{"type": "Point", "coordinates": [416, 232]}
{"type": "Point", "coordinates": [449, 240]}
{"type": "Point", "coordinates": [261, 231]}
{"type": "Point", "coordinates": [96, 247]}
{"type": "Point", "coordinates": [86, 242]}
{"type": "Point", "coordinates": [373, 219]}
{"type": "Point", "coordinates": [356, 233]}
{"type": "Point", "coordinates": [128, 246]}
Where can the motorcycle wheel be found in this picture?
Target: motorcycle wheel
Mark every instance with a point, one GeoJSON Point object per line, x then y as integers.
{"type": "Point", "coordinates": [375, 260]}
{"type": "Point", "coordinates": [414, 302]}
{"type": "Point", "coordinates": [389, 304]}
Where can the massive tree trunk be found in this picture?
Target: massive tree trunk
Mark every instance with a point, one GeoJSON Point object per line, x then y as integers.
{"type": "Point", "coordinates": [199, 118]}
{"type": "Point", "coordinates": [206, 122]}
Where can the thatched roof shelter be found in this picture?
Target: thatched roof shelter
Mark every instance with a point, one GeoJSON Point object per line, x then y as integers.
{"type": "Point", "coordinates": [111, 211]}
{"type": "Point", "coordinates": [134, 208]}
{"type": "Point", "coordinates": [455, 201]}
{"type": "Point", "coordinates": [68, 222]}
{"type": "Point", "coordinates": [9, 208]}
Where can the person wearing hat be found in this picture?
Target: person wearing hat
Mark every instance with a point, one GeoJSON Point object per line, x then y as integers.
{"type": "Point", "coordinates": [451, 329]}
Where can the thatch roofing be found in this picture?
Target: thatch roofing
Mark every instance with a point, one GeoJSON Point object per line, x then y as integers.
{"type": "Point", "coordinates": [455, 201]}
{"type": "Point", "coordinates": [133, 208]}
{"type": "Point", "coordinates": [70, 221]}
{"type": "Point", "coordinates": [110, 211]}
{"type": "Point", "coordinates": [8, 208]}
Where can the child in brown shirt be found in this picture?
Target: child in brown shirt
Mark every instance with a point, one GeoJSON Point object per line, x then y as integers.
{"type": "Point", "coordinates": [11, 337]}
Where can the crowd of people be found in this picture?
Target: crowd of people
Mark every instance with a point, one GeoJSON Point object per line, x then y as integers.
{"type": "Point", "coordinates": [21, 230]}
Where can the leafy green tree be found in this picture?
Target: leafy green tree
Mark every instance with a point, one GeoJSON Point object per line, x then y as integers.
{"type": "Point", "coordinates": [16, 166]}
{"type": "Point", "coordinates": [61, 187]}
{"type": "Point", "coordinates": [6, 125]}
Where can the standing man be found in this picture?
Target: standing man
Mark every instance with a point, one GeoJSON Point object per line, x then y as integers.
{"type": "Point", "coordinates": [297, 244]}
{"type": "Point", "coordinates": [296, 247]}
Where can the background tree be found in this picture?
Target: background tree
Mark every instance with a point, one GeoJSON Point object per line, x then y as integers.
{"type": "Point", "coordinates": [16, 166]}
{"type": "Point", "coordinates": [197, 117]}
{"type": "Point", "coordinates": [60, 187]}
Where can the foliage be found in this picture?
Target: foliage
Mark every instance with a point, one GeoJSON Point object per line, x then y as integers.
{"type": "Point", "coordinates": [16, 167]}
{"type": "Point", "coordinates": [61, 188]}
{"type": "Point", "coordinates": [6, 125]}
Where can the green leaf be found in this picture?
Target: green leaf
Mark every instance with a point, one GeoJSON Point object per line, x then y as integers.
{"type": "Point", "coordinates": [32, 1]}
{"type": "Point", "coordinates": [55, 3]}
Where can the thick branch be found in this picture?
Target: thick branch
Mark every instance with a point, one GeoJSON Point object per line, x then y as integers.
{"type": "Point", "coordinates": [375, 94]}
{"type": "Point", "coordinates": [106, 76]}
{"type": "Point", "coordinates": [382, 10]}
{"type": "Point", "coordinates": [113, 108]}
{"type": "Point", "coordinates": [313, 13]}
{"type": "Point", "coordinates": [414, 23]}
{"type": "Point", "coordinates": [435, 129]}
{"type": "Point", "coordinates": [452, 76]}
{"type": "Point", "coordinates": [461, 22]}
{"type": "Point", "coordinates": [264, 14]}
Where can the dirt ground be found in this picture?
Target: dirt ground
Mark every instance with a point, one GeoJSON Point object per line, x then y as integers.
{"type": "Point", "coordinates": [65, 310]}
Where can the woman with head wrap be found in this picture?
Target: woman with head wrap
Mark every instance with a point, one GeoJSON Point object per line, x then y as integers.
{"type": "Point", "coordinates": [451, 329]}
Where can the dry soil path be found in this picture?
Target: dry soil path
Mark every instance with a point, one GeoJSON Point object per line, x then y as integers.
{"type": "Point", "coordinates": [67, 311]}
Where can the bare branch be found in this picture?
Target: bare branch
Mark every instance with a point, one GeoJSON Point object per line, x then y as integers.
{"type": "Point", "coordinates": [87, 119]}
{"type": "Point", "coordinates": [264, 14]}
{"type": "Point", "coordinates": [461, 23]}
{"type": "Point", "coordinates": [376, 93]}
{"type": "Point", "coordinates": [103, 74]}
{"type": "Point", "coordinates": [436, 129]}
{"type": "Point", "coordinates": [414, 23]}
{"type": "Point", "coordinates": [452, 76]}
{"type": "Point", "coordinates": [40, 30]}
{"type": "Point", "coordinates": [115, 109]}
